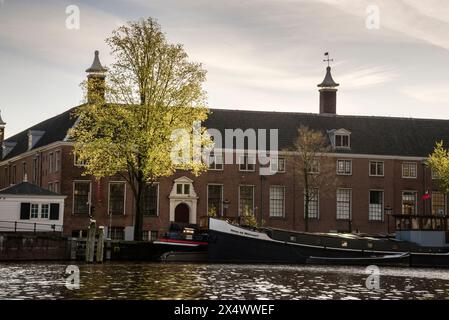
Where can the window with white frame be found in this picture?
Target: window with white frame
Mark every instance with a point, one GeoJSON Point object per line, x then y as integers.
{"type": "Point", "coordinates": [45, 211]}
{"type": "Point", "coordinates": [77, 161]}
{"type": "Point", "coordinates": [117, 198]}
{"type": "Point", "coordinates": [277, 164]}
{"type": "Point", "coordinates": [117, 233]}
{"type": "Point", "coordinates": [247, 163]}
{"type": "Point", "coordinates": [50, 162]}
{"type": "Point", "coordinates": [409, 170]}
{"type": "Point", "coordinates": [438, 203]}
{"type": "Point", "coordinates": [246, 200]}
{"type": "Point", "coordinates": [313, 212]}
{"type": "Point", "coordinates": [409, 202]}
{"type": "Point", "coordinates": [215, 161]}
{"type": "Point", "coordinates": [34, 211]}
{"type": "Point", "coordinates": [149, 235]}
{"type": "Point", "coordinates": [277, 201]}
{"type": "Point", "coordinates": [57, 161]}
{"type": "Point", "coordinates": [344, 204]}
{"type": "Point", "coordinates": [81, 197]}
{"type": "Point", "coordinates": [434, 175]}
{"type": "Point", "coordinates": [151, 200]}
{"type": "Point", "coordinates": [376, 168]}
{"type": "Point", "coordinates": [35, 169]}
{"type": "Point", "coordinates": [314, 166]}
{"type": "Point", "coordinates": [376, 205]}
{"type": "Point", "coordinates": [24, 171]}
{"type": "Point", "coordinates": [14, 172]}
{"type": "Point", "coordinates": [342, 140]}
{"type": "Point", "coordinates": [344, 167]}
{"type": "Point", "coordinates": [183, 188]}
{"type": "Point", "coordinates": [215, 199]}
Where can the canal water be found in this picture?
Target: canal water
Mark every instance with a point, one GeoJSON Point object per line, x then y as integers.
{"type": "Point", "coordinates": [214, 281]}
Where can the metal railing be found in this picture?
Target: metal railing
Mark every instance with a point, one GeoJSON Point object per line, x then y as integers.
{"type": "Point", "coordinates": [34, 227]}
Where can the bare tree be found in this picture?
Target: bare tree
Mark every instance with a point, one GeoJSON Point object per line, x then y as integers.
{"type": "Point", "coordinates": [314, 166]}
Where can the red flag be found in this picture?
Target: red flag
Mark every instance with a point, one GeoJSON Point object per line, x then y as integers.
{"type": "Point", "coordinates": [426, 196]}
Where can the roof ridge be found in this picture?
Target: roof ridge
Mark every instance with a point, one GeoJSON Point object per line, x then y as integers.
{"type": "Point", "coordinates": [41, 122]}
{"type": "Point", "coordinates": [328, 115]}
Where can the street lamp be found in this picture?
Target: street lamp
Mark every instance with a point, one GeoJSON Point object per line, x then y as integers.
{"type": "Point", "coordinates": [388, 211]}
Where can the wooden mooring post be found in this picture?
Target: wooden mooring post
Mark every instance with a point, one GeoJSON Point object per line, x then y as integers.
{"type": "Point", "coordinates": [100, 244]}
{"type": "Point", "coordinates": [90, 243]}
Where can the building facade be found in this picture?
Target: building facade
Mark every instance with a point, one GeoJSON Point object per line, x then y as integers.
{"type": "Point", "coordinates": [379, 165]}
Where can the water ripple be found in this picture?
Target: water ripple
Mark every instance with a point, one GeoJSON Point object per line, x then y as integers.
{"type": "Point", "coordinates": [215, 281]}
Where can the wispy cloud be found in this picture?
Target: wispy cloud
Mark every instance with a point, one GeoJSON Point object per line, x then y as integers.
{"type": "Point", "coordinates": [437, 94]}
{"type": "Point", "coordinates": [422, 20]}
{"type": "Point", "coordinates": [368, 77]}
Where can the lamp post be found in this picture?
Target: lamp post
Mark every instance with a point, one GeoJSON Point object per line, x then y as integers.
{"type": "Point", "coordinates": [388, 211]}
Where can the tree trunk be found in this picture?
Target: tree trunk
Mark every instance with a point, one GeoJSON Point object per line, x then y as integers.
{"type": "Point", "coordinates": [138, 220]}
{"type": "Point", "coordinates": [307, 200]}
{"type": "Point", "coordinates": [306, 213]}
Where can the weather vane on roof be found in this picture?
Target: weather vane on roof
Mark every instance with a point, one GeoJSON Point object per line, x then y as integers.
{"type": "Point", "coordinates": [328, 60]}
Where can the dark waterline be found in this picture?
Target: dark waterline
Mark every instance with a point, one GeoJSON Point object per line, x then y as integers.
{"type": "Point", "coordinates": [44, 280]}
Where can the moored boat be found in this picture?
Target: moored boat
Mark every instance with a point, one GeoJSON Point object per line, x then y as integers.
{"type": "Point", "coordinates": [180, 239]}
{"type": "Point", "coordinates": [233, 243]}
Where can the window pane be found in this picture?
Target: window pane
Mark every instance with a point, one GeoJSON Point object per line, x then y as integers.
{"type": "Point", "coordinates": [117, 233]}
{"type": "Point", "coordinates": [380, 168]}
{"type": "Point", "coordinates": [81, 198]}
{"type": "Point", "coordinates": [281, 164]}
{"type": "Point", "coordinates": [338, 141]}
{"type": "Point", "coordinates": [179, 188]}
{"type": "Point", "coordinates": [438, 204]}
{"type": "Point", "coordinates": [150, 200]}
{"type": "Point", "coordinates": [277, 200]}
{"type": "Point", "coordinates": [117, 198]}
{"type": "Point", "coordinates": [409, 170]}
{"type": "Point", "coordinates": [409, 202]}
{"type": "Point", "coordinates": [344, 204]}
{"type": "Point", "coordinates": [376, 210]}
{"type": "Point", "coordinates": [246, 199]}
{"type": "Point", "coordinates": [44, 211]}
{"type": "Point", "coordinates": [215, 199]}
{"type": "Point", "coordinates": [34, 214]}
{"type": "Point", "coordinates": [313, 204]}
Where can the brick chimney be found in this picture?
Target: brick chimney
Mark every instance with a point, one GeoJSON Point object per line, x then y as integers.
{"type": "Point", "coordinates": [96, 76]}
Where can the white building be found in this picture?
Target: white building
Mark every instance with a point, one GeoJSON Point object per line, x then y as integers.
{"type": "Point", "coordinates": [26, 207]}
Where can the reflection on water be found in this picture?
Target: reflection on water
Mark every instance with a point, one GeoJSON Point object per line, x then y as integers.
{"type": "Point", "coordinates": [200, 281]}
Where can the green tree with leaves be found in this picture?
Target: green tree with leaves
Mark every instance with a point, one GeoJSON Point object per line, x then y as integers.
{"type": "Point", "coordinates": [438, 161]}
{"type": "Point", "coordinates": [151, 91]}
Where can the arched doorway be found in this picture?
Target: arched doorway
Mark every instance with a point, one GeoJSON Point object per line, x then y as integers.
{"type": "Point", "coordinates": [182, 212]}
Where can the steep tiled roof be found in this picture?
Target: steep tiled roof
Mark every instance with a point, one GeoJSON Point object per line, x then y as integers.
{"type": "Point", "coordinates": [55, 129]}
{"type": "Point", "coordinates": [27, 189]}
{"type": "Point", "coordinates": [369, 135]}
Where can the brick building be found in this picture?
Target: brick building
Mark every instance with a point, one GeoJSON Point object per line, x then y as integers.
{"type": "Point", "coordinates": [379, 164]}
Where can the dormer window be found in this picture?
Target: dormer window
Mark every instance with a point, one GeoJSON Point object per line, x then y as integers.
{"type": "Point", "coordinates": [33, 137]}
{"type": "Point", "coordinates": [340, 139]}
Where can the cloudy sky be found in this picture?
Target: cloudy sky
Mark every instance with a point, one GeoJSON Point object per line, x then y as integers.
{"type": "Point", "coordinates": [260, 54]}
